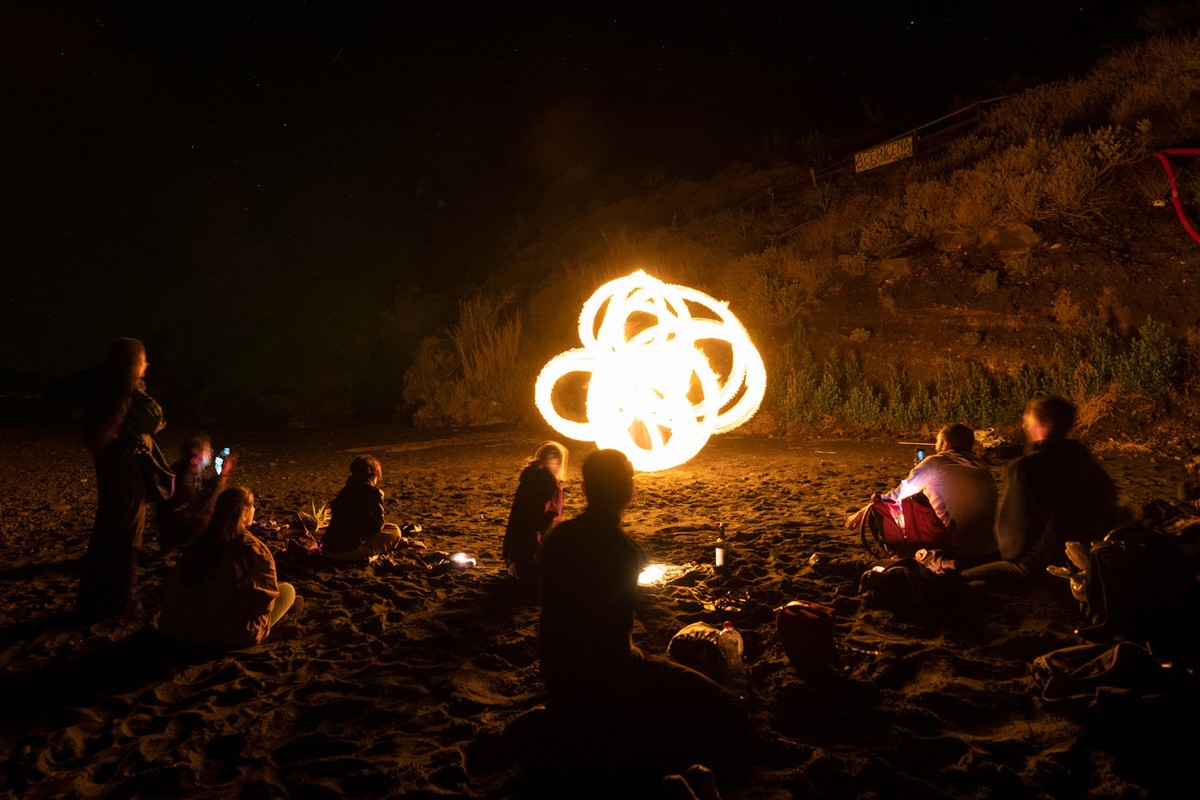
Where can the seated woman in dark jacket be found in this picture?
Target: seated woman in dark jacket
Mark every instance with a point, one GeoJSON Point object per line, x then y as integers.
{"type": "Point", "coordinates": [356, 528]}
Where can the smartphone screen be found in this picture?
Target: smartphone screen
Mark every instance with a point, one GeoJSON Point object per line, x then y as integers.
{"type": "Point", "coordinates": [219, 461]}
{"type": "Point", "coordinates": [920, 455]}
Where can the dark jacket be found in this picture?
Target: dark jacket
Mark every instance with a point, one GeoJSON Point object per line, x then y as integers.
{"type": "Point", "coordinates": [589, 570]}
{"type": "Point", "coordinates": [1055, 493]}
{"type": "Point", "coordinates": [183, 516]}
{"type": "Point", "coordinates": [355, 514]}
{"type": "Point", "coordinates": [537, 505]}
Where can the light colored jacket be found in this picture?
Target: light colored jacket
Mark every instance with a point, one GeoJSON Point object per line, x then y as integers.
{"type": "Point", "coordinates": [962, 491]}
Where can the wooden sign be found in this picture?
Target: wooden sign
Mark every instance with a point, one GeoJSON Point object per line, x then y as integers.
{"type": "Point", "coordinates": [895, 150]}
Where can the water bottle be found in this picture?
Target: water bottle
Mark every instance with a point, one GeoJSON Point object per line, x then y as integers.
{"type": "Point", "coordinates": [719, 556]}
{"type": "Point", "coordinates": [733, 649]}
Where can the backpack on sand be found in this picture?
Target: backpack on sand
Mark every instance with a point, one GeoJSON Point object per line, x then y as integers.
{"type": "Point", "coordinates": [805, 631]}
{"type": "Point", "coordinates": [697, 646]}
{"type": "Point", "coordinates": [912, 590]}
{"type": "Point", "coordinates": [882, 535]}
{"type": "Point", "coordinates": [1139, 588]}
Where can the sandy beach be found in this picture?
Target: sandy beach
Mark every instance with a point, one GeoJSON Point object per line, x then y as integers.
{"type": "Point", "coordinates": [397, 682]}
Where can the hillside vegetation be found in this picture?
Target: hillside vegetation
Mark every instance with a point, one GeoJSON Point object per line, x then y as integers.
{"type": "Point", "coordinates": [1037, 253]}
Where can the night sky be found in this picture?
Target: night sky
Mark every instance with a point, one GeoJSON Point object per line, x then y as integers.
{"type": "Point", "coordinates": [147, 152]}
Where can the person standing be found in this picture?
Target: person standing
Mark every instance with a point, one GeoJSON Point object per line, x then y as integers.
{"type": "Point", "coordinates": [120, 421]}
{"type": "Point", "coordinates": [536, 507]}
{"type": "Point", "coordinates": [1055, 493]}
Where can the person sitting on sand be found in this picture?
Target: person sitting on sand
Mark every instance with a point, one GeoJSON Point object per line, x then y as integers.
{"type": "Point", "coordinates": [614, 702]}
{"type": "Point", "coordinates": [356, 528]}
{"type": "Point", "coordinates": [1055, 493]}
{"type": "Point", "coordinates": [536, 506]}
{"type": "Point", "coordinates": [960, 490]}
{"type": "Point", "coordinates": [182, 516]}
{"type": "Point", "coordinates": [223, 593]}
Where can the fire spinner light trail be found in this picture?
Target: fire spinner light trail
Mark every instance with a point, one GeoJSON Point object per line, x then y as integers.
{"type": "Point", "coordinates": [653, 392]}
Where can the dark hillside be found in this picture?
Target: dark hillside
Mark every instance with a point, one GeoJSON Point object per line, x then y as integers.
{"type": "Point", "coordinates": [1038, 252]}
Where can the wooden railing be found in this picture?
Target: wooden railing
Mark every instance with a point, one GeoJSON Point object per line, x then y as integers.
{"type": "Point", "coordinates": [931, 137]}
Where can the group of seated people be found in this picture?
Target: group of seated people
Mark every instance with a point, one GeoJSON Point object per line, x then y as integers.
{"type": "Point", "coordinates": [605, 697]}
{"type": "Point", "coordinates": [1056, 492]}
{"type": "Point", "coordinates": [223, 592]}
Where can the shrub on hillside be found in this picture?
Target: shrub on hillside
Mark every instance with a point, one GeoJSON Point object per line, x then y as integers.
{"type": "Point", "coordinates": [475, 374]}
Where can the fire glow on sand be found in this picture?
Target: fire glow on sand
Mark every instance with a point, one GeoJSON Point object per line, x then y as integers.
{"type": "Point", "coordinates": [667, 365]}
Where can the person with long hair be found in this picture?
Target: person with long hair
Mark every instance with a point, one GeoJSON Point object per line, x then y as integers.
{"type": "Point", "coordinates": [223, 593]}
{"type": "Point", "coordinates": [536, 506]}
{"type": "Point", "coordinates": [119, 422]}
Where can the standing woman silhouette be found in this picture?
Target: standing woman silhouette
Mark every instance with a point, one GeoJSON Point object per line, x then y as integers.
{"type": "Point", "coordinates": [119, 423]}
{"type": "Point", "coordinates": [536, 506]}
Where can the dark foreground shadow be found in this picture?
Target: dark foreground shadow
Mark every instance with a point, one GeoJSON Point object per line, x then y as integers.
{"type": "Point", "coordinates": [105, 669]}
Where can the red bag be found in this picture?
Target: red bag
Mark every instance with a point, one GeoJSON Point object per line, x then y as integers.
{"type": "Point", "coordinates": [882, 534]}
{"type": "Point", "coordinates": [806, 633]}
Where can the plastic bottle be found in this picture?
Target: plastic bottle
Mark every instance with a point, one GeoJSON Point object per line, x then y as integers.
{"type": "Point", "coordinates": [719, 555]}
{"type": "Point", "coordinates": [733, 649]}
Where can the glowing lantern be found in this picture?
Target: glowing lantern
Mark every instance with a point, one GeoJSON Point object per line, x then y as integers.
{"type": "Point", "coordinates": [653, 573]}
{"type": "Point", "coordinates": [668, 367]}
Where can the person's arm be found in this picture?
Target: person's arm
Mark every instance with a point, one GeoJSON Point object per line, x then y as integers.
{"type": "Point", "coordinates": [916, 481]}
{"type": "Point", "coordinates": [377, 512]}
{"type": "Point", "coordinates": [553, 506]}
{"type": "Point", "coordinates": [260, 585]}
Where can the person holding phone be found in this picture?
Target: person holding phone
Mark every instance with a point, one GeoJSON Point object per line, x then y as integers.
{"type": "Point", "coordinates": [959, 489]}
{"type": "Point", "coordinates": [199, 478]}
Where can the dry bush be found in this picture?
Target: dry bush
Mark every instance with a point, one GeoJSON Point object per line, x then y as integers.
{"type": "Point", "coordinates": [1066, 311]}
{"type": "Point", "coordinates": [1150, 180]}
{"type": "Point", "coordinates": [475, 375]}
{"type": "Point", "coordinates": [822, 239]}
{"type": "Point", "coordinates": [883, 235]}
{"type": "Point", "coordinates": [771, 287]}
{"type": "Point", "coordinates": [924, 210]}
{"type": "Point", "coordinates": [1091, 410]}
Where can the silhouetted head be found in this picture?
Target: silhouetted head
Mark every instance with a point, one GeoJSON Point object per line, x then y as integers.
{"type": "Point", "coordinates": [125, 364]}
{"type": "Point", "coordinates": [1048, 418]}
{"type": "Point", "coordinates": [607, 480]}
{"type": "Point", "coordinates": [552, 456]}
{"type": "Point", "coordinates": [957, 437]}
{"type": "Point", "coordinates": [197, 449]}
{"type": "Point", "coordinates": [234, 509]}
{"type": "Point", "coordinates": [119, 375]}
{"type": "Point", "coordinates": [366, 468]}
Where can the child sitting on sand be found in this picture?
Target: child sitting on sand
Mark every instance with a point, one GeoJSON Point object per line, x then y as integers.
{"type": "Point", "coordinates": [356, 528]}
{"type": "Point", "coordinates": [223, 593]}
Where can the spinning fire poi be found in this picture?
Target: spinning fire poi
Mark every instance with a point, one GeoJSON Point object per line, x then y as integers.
{"type": "Point", "coordinates": [668, 367]}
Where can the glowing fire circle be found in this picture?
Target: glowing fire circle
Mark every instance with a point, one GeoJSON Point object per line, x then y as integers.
{"type": "Point", "coordinates": [653, 390]}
